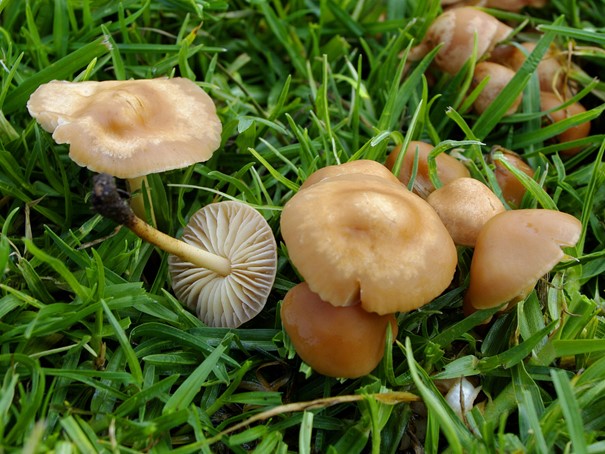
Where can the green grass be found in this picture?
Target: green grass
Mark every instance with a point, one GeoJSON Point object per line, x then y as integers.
{"type": "Point", "coordinates": [96, 354]}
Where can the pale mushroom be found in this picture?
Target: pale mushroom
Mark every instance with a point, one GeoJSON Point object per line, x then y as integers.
{"type": "Point", "coordinates": [512, 189]}
{"type": "Point", "coordinates": [224, 267]}
{"type": "Point", "coordinates": [345, 342]}
{"type": "Point", "coordinates": [513, 251]}
{"type": "Point", "coordinates": [362, 166]}
{"type": "Point", "coordinates": [361, 237]}
{"type": "Point", "coordinates": [448, 167]}
{"type": "Point", "coordinates": [464, 206]}
{"type": "Point", "coordinates": [550, 101]}
{"type": "Point", "coordinates": [130, 128]}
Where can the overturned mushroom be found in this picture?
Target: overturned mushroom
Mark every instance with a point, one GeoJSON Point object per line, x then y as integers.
{"type": "Point", "coordinates": [131, 128]}
{"type": "Point", "coordinates": [361, 237]}
{"type": "Point", "coordinates": [515, 249]}
{"type": "Point", "coordinates": [345, 342]}
{"type": "Point", "coordinates": [226, 264]}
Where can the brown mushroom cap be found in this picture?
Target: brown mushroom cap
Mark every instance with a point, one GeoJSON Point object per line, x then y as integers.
{"type": "Point", "coordinates": [456, 29]}
{"type": "Point", "coordinates": [239, 233]}
{"type": "Point", "coordinates": [464, 206]}
{"type": "Point", "coordinates": [512, 189]}
{"type": "Point", "coordinates": [550, 101]}
{"type": "Point", "coordinates": [363, 237]}
{"type": "Point", "coordinates": [499, 77]}
{"type": "Point", "coordinates": [514, 250]}
{"type": "Point", "coordinates": [362, 166]}
{"type": "Point", "coordinates": [448, 167]}
{"type": "Point", "coordinates": [129, 128]}
{"type": "Point", "coordinates": [345, 342]}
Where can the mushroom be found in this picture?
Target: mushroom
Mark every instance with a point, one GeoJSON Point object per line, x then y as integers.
{"type": "Point", "coordinates": [549, 101]}
{"type": "Point", "coordinates": [362, 166]}
{"type": "Point", "coordinates": [515, 249]}
{"type": "Point", "coordinates": [448, 167]}
{"type": "Point", "coordinates": [512, 189]}
{"type": "Point", "coordinates": [456, 30]}
{"type": "Point", "coordinates": [498, 77]}
{"type": "Point", "coordinates": [464, 206]}
{"type": "Point", "coordinates": [362, 237]}
{"type": "Point", "coordinates": [226, 263]}
{"type": "Point", "coordinates": [130, 128]}
{"type": "Point", "coordinates": [344, 342]}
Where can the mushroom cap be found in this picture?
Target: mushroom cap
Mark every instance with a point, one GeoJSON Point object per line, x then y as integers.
{"type": "Point", "coordinates": [363, 166]}
{"type": "Point", "coordinates": [448, 167]}
{"type": "Point", "coordinates": [512, 189]}
{"type": "Point", "coordinates": [550, 101]}
{"type": "Point", "coordinates": [499, 77]}
{"type": "Point", "coordinates": [345, 342]}
{"type": "Point", "coordinates": [238, 232]}
{"type": "Point", "coordinates": [515, 249]}
{"type": "Point", "coordinates": [361, 237]}
{"type": "Point", "coordinates": [129, 128]}
{"type": "Point", "coordinates": [456, 29]}
{"type": "Point", "coordinates": [464, 206]}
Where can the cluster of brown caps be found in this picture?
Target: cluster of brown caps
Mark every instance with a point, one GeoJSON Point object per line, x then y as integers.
{"type": "Point", "coordinates": [225, 265]}
{"type": "Point", "coordinates": [462, 31]}
{"type": "Point", "coordinates": [368, 248]}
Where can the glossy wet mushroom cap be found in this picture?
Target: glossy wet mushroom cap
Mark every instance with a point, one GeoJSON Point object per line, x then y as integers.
{"type": "Point", "coordinates": [345, 342]}
{"type": "Point", "coordinates": [358, 236]}
{"type": "Point", "coordinates": [239, 233]}
{"type": "Point", "coordinates": [514, 250]}
{"type": "Point", "coordinates": [129, 128]}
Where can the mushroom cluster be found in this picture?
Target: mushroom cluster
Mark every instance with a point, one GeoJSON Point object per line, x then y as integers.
{"type": "Point", "coordinates": [360, 239]}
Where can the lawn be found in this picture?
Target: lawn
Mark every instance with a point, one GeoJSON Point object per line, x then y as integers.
{"type": "Point", "coordinates": [98, 355]}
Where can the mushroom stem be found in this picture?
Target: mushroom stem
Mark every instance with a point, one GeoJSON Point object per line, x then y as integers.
{"type": "Point", "coordinates": [137, 201]}
{"type": "Point", "coordinates": [107, 201]}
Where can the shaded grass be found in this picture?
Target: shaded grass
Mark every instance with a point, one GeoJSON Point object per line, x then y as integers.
{"type": "Point", "coordinates": [97, 355]}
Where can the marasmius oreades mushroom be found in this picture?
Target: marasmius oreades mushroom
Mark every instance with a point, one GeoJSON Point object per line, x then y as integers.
{"type": "Point", "coordinates": [131, 128]}
{"type": "Point", "coordinates": [224, 267]}
{"type": "Point", "coordinates": [362, 237]}
{"type": "Point", "coordinates": [513, 251]}
{"type": "Point", "coordinates": [344, 342]}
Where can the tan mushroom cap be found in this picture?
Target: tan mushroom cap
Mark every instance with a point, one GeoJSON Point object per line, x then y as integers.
{"type": "Point", "coordinates": [551, 101]}
{"type": "Point", "coordinates": [344, 342]}
{"type": "Point", "coordinates": [361, 237]}
{"type": "Point", "coordinates": [498, 77]}
{"type": "Point", "coordinates": [239, 233]}
{"type": "Point", "coordinates": [514, 250]}
{"type": "Point", "coordinates": [456, 29]}
{"type": "Point", "coordinates": [129, 128]}
{"type": "Point", "coordinates": [464, 206]}
{"type": "Point", "coordinates": [363, 166]}
{"type": "Point", "coordinates": [448, 167]}
{"type": "Point", "coordinates": [512, 189]}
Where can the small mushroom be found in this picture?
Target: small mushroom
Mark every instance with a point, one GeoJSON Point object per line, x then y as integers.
{"type": "Point", "coordinates": [457, 29]}
{"type": "Point", "coordinates": [448, 167]}
{"type": "Point", "coordinates": [361, 237]}
{"type": "Point", "coordinates": [515, 249]}
{"type": "Point", "coordinates": [550, 101]}
{"type": "Point", "coordinates": [498, 77]}
{"type": "Point", "coordinates": [130, 128]}
{"type": "Point", "coordinates": [512, 189]}
{"type": "Point", "coordinates": [224, 267]}
{"type": "Point", "coordinates": [464, 206]}
{"type": "Point", "coordinates": [344, 342]}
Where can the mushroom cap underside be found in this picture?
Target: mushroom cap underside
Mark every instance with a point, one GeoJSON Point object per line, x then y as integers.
{"type": "Point", "coordinates": [238, 232]}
